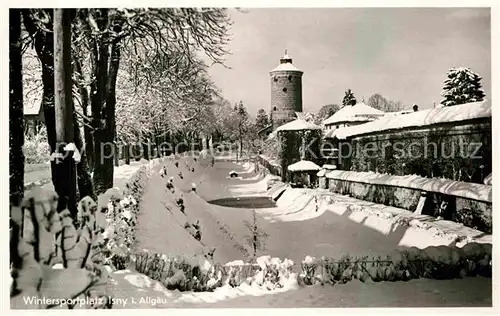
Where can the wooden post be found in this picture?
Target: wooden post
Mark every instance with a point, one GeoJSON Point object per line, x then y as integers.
{"type": "Point", "coordinates": [421, 203]}
{"type": "Point", "coordinates": [63, 97]}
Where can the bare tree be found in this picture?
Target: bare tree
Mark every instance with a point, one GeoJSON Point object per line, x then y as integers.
{"type": "Point", "coordinates": [377, 101]}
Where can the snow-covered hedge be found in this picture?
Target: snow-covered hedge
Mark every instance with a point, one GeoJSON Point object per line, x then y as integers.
{"type": "Point", "coordinates": [434, 262]}
{"type": "Point", "coordinates": [121, 209]}
{"type": "Point", "coordinates": [200, 275]}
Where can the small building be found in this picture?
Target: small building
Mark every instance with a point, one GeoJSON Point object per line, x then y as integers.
{"type": "Point", "coordinates": [33, 110]}
{"type": "Point", "coordinates": [303, 173]}
{"type": "Point", "coordinates": [351, 115]}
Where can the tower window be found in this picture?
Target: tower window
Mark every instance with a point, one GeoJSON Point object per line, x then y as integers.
{"type": "Point", "coordinates": [274, 108]}
{"type": "Point", "coordinates": [284, 89]}
{"type": "Point", "coordinates": [290, 78]}
{"type": "Point", "coordinates": [275, 79]}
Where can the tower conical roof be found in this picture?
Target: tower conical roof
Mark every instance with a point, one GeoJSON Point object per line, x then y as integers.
{"type": "Point", "coordinates": [286, 64]}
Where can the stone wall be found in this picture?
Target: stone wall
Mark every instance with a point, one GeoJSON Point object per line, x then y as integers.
{"type": "Point", "coordinates": [472, 213]}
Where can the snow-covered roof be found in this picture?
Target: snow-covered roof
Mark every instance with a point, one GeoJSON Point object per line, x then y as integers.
{"type": "Point", "coordinates": [329, 167]}
{"type": "Point", "coordinates": [467, 190]}
{"type": "Point", "coordinates": [445, 114]}
{"type": "Point", "coordinates": [356, 113]}
{"type": "Point", "coordinates": [304, 165]}
{"type": "Point", "coordinates": [322, 173]}
{"type": "Point", "coordinates": [297, 125]}
{"type": "Point", "coordinates": [398, 113]}
{"type": "Point", "coordinates": [286, 67]}
{"type": "Point", "coordinates": [32, 108]}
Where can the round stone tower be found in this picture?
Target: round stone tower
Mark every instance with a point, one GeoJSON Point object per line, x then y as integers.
{"type": "Point", "coordinates": [286, 92]}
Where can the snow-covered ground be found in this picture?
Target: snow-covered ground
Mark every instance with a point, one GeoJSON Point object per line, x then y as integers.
{"type": "Point", "coordinates": [295, 230]}
{"type": "Point", "coordinates": [120, 176]}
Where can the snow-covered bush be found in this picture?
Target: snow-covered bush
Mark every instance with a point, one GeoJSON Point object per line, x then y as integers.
{"type": "Point", "coordinates": [179, 273]}
{"type": "Point", "coordinates": [52, 250]}
{"type": "Point", "coordinates": [36, 149]}
{"type": "Point", "coordinates": [194, 230]}
{"type": "Point", "coordinates": [199, 274]}
{"type": "Point", "coordinates": [120, 211]}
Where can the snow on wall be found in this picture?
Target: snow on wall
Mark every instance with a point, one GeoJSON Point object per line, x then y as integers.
{"type": "Point", "coordinates": [466, 190]}
{"type": "Point", "coordinates": [445, 114]}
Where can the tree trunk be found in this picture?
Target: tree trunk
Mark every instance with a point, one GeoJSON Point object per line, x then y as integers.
{"type": "Point", "coordinates": [84, 96]}
{"type": "Point", "coordinates": [82, 168]}
{"type": "Point", "coordinates": [103, 160]}
{"type": "Point", "coordinates": [146, 148]}
{"type": "Point", "coordinates": [127, 153]}
{"type": "Point", "coordinates": [64, 111]}
{"type": "Point", "coordinates": [16, 115]}
{"type": "Point", "coordinates": [44, 46]}
{"type": "Point", "coordinates": [116, 155]}
{"type": "Point", "coordinates": [105, 170]}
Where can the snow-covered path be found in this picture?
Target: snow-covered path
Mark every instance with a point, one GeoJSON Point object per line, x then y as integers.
{"type": "Point", "coordinates": [120, 176]}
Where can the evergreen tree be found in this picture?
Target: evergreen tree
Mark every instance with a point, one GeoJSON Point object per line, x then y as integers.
{"type": "Point", "coordinates": [349, 98]}
{"type": "Point", "coordinates": [262, 120]}
{"type": "Point", "coordinates": [461, 86]}
{"type": "Point", "coordinates": [242, 123]}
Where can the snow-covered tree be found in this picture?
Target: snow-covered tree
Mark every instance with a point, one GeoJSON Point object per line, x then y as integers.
{"type": "Point", "coordinates": [262, 120]}
{"type": "Point", "coordinates": [349, 98]}
{"type": "Point", "coordinates": [462, 86]}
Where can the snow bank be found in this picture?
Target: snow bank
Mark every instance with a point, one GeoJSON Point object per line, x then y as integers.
{"type": "Point", "coordinates": [474, 191]}
{"type": "Point", "coordinates": [305, 204]}
{"type": "Point", "coordinates": [447, 114]}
